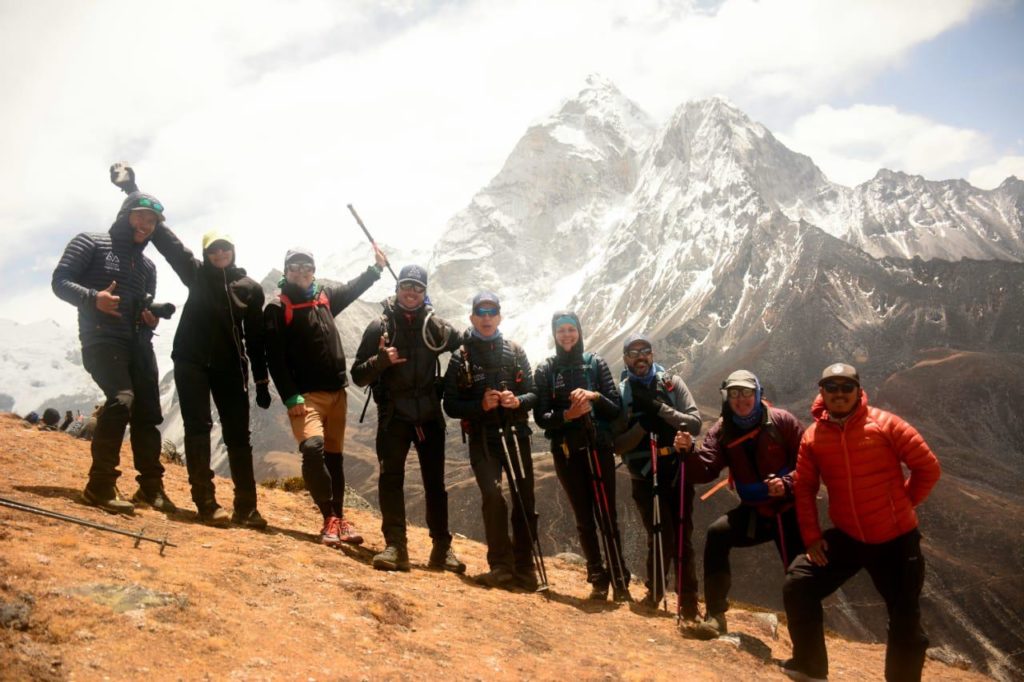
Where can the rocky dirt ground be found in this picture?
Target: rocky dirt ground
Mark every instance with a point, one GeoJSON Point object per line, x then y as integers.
{"type": "Point", "coordinates": [78, 603]}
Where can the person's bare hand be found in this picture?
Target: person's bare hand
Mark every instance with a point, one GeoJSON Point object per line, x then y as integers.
{"type": "Point", "coordinates": [509, 400]}
{"type": "Point", "coordinates": [816, 552]}
{"type": "Point", "coordinates": [379, 258]}
{"type": "Point", "coordinates": [683, 441]}
{"type": "Point", "coordinates": [776, 488]}
{"type": "Point", "coordinates": [107, 302]}
{"type": "Point", "coordinates": [297, 410]}
{"type": "Point", "coordinates": [491, 399]}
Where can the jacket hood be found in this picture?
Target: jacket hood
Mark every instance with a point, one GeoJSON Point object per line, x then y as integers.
{"type": "Point", "coordinates": [575, 354]}
{"type": "Point", "coordinates": [820, 414]}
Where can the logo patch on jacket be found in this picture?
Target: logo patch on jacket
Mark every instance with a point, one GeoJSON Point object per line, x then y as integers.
{"type": "Point", "coordinates": [112, 263]}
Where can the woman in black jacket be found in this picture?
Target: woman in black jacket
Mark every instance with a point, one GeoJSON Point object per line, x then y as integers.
{"type": "Point", "coordinates": [223, 310]}
{"type": "Point", "coordinates": [577, 401]}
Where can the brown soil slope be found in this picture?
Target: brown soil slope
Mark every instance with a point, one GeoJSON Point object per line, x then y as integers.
{"type": "Point", "coordinates": [78, 603]}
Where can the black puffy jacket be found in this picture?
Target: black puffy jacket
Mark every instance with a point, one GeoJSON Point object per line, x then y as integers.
{"type": "Point", "coordinates": [224, 307]}
{"type": "Point", "coordinates": [406, 391]}
{"type": "Point", "coordinates": [90, 262]}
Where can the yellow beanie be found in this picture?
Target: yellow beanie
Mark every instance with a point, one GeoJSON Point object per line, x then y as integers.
{"type": "Point", "coordinates": [216, 236]}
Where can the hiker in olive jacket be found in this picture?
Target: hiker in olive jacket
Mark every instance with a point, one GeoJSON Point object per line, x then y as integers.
{"type": "Point", "coordinates": [655, 405]}
{"type": "Point", "coordinates": [219, 337]}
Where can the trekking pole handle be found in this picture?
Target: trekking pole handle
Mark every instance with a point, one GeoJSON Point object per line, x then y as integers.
{"type": "Point", "coordinates": [359, 220]}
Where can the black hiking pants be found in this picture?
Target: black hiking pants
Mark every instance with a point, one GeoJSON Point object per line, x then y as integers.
{"type": "Point", "coordinates": [127, 375]}
{"type": "Point", "coordinates": [668, 498]}
{"type": "Point", "coordinates": [896, 568]}
{"type": "Point", "coordinates": [393, 442]}
{"type": "Point", "coordinates": [196, 383]}
{"type": "Point", "coordinates": [574, 473]}
{"type": "Point", "coordinates": [487, 457]}
{"type": "Point", "coordinates": [744, 526]}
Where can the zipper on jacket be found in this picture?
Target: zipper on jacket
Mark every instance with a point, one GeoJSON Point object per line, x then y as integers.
{"type": "Point", "coordinates": [849, 481]}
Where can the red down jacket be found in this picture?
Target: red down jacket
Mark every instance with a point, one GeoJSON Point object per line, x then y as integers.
{"type": "Point", "coordinates": [859, 461]}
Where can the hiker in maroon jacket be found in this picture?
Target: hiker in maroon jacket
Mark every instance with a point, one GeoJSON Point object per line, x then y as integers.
{"type": "Point", "coordinates": [758, 443]}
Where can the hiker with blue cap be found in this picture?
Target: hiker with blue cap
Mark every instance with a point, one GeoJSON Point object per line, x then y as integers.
{"type": "Point", "coordinates": [398, 358]}
{"type": "Point", "coordinates": [655, 405]}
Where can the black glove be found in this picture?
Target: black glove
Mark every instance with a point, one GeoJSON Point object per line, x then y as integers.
{"type": "Point", "coordinates": [123, 175]}
{"type": "Point", "coordinates": [643, 402]}
{"type": "Point", "coordinates": [263, 395]}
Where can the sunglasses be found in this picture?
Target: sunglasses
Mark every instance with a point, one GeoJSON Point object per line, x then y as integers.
{"type": "Point", "coordinates": [301, 267]}
{"type": "Point", "coordinates": [150, 204]}
{"type": "Point", "coordinates": [486, 312]}
{"type": "Point", "coordinates": [214, 248]}
{"type": "Point", "coordinates": [839, 387]}
{"type": "Point", "coordinates": [740, 392]}
{"type": "Point", "coordinates": [412, 286]}
{"type": "Point", "coordinates": [638, 352]}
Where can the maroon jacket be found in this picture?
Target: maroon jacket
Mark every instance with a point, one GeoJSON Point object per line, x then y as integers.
{"type": "Point", "coordinates": [751, 455]}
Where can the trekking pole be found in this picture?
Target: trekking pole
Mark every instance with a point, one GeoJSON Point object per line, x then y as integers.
{"type": "Point", "coordinates": [139, 537]}
{"type": "Point", "coordinates": [679, 545]}
{"type": "Point", "coordinates": [534, 538]}
{"type": "Point", "coordinates": [513, 482]}
{"type": "Point", "coordinates": [658, 560]}
{"type": "Point", "coordinates": [603, 511]}
{"type": "Point", "coordinates": [368, 236]}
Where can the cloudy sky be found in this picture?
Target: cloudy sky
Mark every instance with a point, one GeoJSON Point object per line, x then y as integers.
{"type": "Point", "coordinates": [265, 118]}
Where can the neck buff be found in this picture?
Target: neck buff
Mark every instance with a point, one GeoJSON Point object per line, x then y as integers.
{"type": "Point", "coordinates": [646, 379]}
{"type": "Point", "coordinates": [494, 337]}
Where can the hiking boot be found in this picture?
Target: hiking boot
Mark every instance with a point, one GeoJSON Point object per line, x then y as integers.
{"type": "Point", "coordinates": [598, 592]}
{"type": "Point", "coordinates": [214, 516]}
{"type": "Point", "coordinates": [393, 558]}
{"type": "Point", "coordinates": [330, 534]}
{"type": "Point", "coordinates": [249, 519]}
{"type": "Point", "coordinates": [442, 557]}
{"type": "Point", "coordinates": [348, 534]}
{"type": "Point", "coordinates": [526, 578]}
{"type": "Point", "coordinates": [711, 628]}
{"type": "Point", "coordinates": [790, 670]}
{"type": "Point", "coordinates": [621, 595]}
{"type": "Point", "coordinates": [157, 499]}
{"type": "Point", "coordinates": [652, 600]}
{"type": "Point", "coordinates": [111, 502]}
{"type": "Point", "coordinates": [499, 577]}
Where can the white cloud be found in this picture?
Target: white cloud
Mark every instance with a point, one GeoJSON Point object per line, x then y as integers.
{"type": "Point", "coordinates": [850, 145]}
{"type": "Point", "coordinates": [265, 118]}
{"type": "Point", "coordinates": [992, 175]}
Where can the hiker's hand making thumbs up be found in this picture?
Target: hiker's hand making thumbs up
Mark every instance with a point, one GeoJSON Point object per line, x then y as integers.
{"type": "Point", "coordinates": [107, 302]}
{"type": "Point", "coordinates": [387, 355]}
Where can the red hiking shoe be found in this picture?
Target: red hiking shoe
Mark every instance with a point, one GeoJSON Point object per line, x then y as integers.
{"type": "Point", "coordinates": [348, 533]}
{"type": "Point", "coordinates": [330, 535]}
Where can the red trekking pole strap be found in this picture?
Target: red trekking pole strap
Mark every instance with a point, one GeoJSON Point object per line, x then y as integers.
{"type": "Point", "coordinates": [289, 307]}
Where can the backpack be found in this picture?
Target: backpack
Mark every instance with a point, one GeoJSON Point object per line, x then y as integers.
{"type": "Point", "coordinates": [289, 307]}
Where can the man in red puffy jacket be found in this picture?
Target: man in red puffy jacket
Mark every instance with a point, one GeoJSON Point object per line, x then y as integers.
{"type": "Point", "coordinates": [858, 452]}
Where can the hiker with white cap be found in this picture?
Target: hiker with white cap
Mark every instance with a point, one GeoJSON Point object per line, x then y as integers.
{"type": "Point", "coordinates": [307, 363]}
{"type": "Point", "coordinates": [758, 443]}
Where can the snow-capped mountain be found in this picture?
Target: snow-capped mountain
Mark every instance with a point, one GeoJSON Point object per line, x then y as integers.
{"type": "Point", "coordinates": [41, 366]}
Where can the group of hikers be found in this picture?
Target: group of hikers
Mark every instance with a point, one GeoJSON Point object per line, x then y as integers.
{"type": "Point", "coordinates": [227, 336]}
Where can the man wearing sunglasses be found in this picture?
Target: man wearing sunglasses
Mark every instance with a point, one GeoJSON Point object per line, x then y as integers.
{"type": "Point", "coordinates": [109, 279]}
{"type": "Point", "coordinates": [489, 386]}
{"type": "Point", "coordinates": [858, 452]}
{"type": "Point", "coordinates": [307, 363]}
{"type": "Point", "coordinates": [398, 358]}
{"type": "Point", "coordinates": [655, 405]}
{"type": "Point", "coordinates": [758, 443]}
